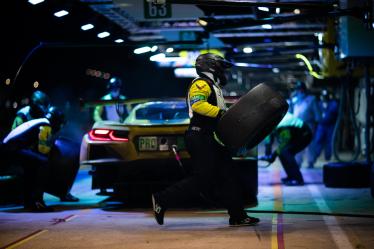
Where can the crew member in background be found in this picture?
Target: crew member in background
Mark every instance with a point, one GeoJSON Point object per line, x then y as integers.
{"type": "Point", "coordinates": [38, 108]}
{"type": "Point", "coordinates": [292, 135]}
{"type": "Point", "coordinates": [325, 128]}
{"type": "Point", "coordinates": [305, 106]}
{"type": "Point", "coordinates": [113, 112]}
{"type": "Point", "coordinates": [29, 144]}
{"type": "Point", "coordinates": [212, 162]}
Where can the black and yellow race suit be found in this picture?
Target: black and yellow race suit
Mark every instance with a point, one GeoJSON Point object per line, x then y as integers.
{"type": "Point", "coordinates": [212, 175]}
{"type": "Point", "coordinates": [205, 102]}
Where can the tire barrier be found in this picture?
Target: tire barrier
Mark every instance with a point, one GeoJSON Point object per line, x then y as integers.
{"type": "Point", "coordinates": [346, 175]}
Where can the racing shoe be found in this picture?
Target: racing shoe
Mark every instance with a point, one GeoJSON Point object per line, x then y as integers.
{"type": "Point", "coordinates": [246, 221]}
{"type": "Point", "coordinates": [159, 211]}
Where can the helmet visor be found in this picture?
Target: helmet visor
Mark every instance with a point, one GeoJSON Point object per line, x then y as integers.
{"type": "Point", "coordinates": [226, 64]}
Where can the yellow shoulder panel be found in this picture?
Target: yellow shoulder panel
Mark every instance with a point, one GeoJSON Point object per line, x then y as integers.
{"type": "Point", "coordinates": [199, 93]}
{"type": "Point", "coordinates": [44, 145]}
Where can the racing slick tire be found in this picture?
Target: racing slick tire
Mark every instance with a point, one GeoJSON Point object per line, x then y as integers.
{"type": "Point", "coordinates": [248, 121]}
{"type": "Point", "coordinates": [63, 167]}
{"type": "Point", "coordinates": [346, 175]}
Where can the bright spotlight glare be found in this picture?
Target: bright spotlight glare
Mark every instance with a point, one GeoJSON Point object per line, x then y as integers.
{"type": "Point", "coordinates": [157, 57]}
{"type": "Point", "coordinates": [169, 50]}
{"type": "Point", "coordinates": [142, 50]}
{"type": "Point", "coordinates": [154, 48]}
{"type": "Point", "coordinates": [103, 34]}
{"type": "Point", "coordinates": [266, 26]}
{"type": "Point", "coordinates": [202, 22]}
{"type": "Point", "coordinates": [34, 2]}
{"type": "Point", "coordinates": [61, 13]}
{"type": "Point", "coordinates": [87, 26]}
{"type": "Point", "coordinates": [263, 9]}
{"type": "Point", "coordinates": [119, 41]}
{"type": "Point", "coordinates": [247, 50]}
{"type": "Point", "coordinates": [275, 70]}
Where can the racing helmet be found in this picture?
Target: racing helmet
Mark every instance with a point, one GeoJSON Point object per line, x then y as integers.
{"type": "Point", "coordinates": [39, 104]}
{"type": "Point", "coordinates": [56, 118]}
{"type": "Point", "coordinates": [114, 83]}
{"type": "Point", "coordinates": [214, 64]}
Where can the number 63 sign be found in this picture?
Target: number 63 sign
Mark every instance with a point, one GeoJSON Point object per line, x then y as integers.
{"type": "Point", "coordinates": [158, 10]}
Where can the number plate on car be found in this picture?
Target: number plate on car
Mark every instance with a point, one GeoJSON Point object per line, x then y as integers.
{"type": "Point", "coordinates": [147, 143]}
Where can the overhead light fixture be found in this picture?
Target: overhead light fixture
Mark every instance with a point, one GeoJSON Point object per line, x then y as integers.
{"type": "Point", "coordinates": [34, 2]}
{"type": "Point", "coordinates": [142, 50]}
{"type": "Point", "coordinates": [247, 50]}
{"type": "Point", "coordinates": [169, 50]}
{"type": "Point", "coordinates": [266, 26]}
{"type": "Point", "coordinates": [61, 13]}
{"type": "Point", "coordinates": [296, 11]}
{"type": "Point", "coordinates": [87, 26]}
{"type": "Point", "coordinates": [103, 34]}
{"type": "Point", "coordinates": [202, 22]}
{"type": "Point", "coordinates": [119, 41]}
{"type": "Point", "coordinates": [263, 9]}
{"type": "Point", "coordinates": [157, 57]}
{"type": "Point", "coordinates": [154, 48]}
{"type": "Point", "coordinates": [275, 70]}
{"type": "Point", "coordinates": [278, 10]}
{"type": "Point", "coordinates": [252, 65]}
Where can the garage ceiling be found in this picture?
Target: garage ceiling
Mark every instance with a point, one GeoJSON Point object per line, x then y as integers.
{"type": "Point", "coordinates": [272, 32]}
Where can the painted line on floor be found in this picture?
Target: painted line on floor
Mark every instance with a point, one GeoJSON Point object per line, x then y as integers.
{"type": "Point", "coordinates": [24, 239]}
{"type": "Point", "coordinates": [338, 235]}
{"type": "Point", "coordinates": [277, 238]}
{"type": "Point", "coordinates": [66, 219]}
{"type": "Point", "coordinates": [38, 232]}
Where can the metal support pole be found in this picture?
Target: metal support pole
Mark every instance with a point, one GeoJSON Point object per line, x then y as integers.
{"type": "Point", "coordinates": [368, 113]}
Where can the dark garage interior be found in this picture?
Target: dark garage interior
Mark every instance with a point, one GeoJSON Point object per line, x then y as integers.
{"type": "Point", "coordinates": [298, 123]}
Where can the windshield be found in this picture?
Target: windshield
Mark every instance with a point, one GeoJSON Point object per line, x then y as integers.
{"type": "Point", "coordinates": [161, 113]}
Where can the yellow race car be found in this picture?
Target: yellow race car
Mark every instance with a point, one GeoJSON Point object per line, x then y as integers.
{"type": "Point", "coordinates": [146, 149]}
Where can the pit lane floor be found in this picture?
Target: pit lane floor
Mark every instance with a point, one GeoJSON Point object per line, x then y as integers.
{"type": "Point", "coordinates": [310, 216]}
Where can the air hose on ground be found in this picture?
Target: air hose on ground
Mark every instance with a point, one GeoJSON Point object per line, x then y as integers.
{"type": "Point", "coordinates": [346, 104]}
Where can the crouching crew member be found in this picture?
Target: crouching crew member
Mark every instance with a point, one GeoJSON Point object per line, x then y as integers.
{"type": "Point", "coordinates": [212, 162]}
{"type": "Point", "coordinates": [38, 108]}
{"type": "Point", "coordinates": [293, 135]}
{"type": "Point", "coordinates": [30, 144]}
